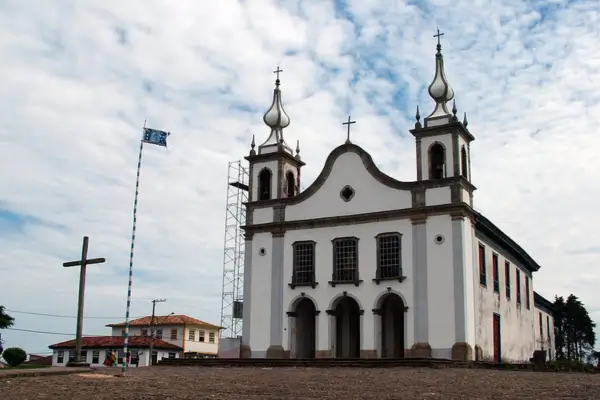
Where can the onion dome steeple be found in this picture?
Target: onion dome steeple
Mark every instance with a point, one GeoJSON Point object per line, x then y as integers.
{"type": "Point", "coordinates": [439, 89]}
{"type": "Point", "coordinates": [277, 119]}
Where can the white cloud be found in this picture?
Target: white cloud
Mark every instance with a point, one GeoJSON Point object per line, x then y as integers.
{"type": "Point", "coordinates": [80, 78]}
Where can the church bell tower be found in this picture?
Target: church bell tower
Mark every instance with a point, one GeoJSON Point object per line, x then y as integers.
{"type": "Point", "coordinates": [274, 169]}
{"type": "Point", "coordinates": [442, 142]}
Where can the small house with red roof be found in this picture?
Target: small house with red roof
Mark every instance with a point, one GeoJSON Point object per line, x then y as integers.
{"type": "Point", "coordinates": [94, 350]}
{"type": "Point", "coordinates": [175, 336]}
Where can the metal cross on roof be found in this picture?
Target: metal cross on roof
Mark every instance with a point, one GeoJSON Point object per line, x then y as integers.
{"type": "Point", "coordinates": [277, 72]}
{"type": "Point", "coordinates": [438, 36]}
{"type": "Point", "coordinates": [348, 123]}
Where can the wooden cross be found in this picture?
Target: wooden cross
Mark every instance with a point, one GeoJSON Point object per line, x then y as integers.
{"type": "Point", "coordinates": [438, 36]}
{"type": "Point", "coordinates": [277, 72]}
{"type": "Point", "coordinates": [83, 263]}
{"type": "Point", "coordinates": [348, 123]}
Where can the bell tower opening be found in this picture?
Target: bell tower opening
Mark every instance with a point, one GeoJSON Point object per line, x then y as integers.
{"type": "Point", "coordinates": [464, 163]}
{"type": "Point", "coordinates": [290, 189]}
{"type": "Point", "coordinates": [437, 161]}
{"type": "Point", "coordinates": [264, 184]}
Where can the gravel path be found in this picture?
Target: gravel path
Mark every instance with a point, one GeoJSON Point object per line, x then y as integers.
{"type": "Point", "coordinates": [305, 383]}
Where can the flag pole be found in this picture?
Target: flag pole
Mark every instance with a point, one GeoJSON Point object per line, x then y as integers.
{"type": "Point", "coordinates": [135, 201]}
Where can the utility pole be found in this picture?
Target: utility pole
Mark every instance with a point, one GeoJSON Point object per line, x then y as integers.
{"type": "Point", "coordinates": [152, 326]}
{"type": "Point", "coordinates": [82, 263]}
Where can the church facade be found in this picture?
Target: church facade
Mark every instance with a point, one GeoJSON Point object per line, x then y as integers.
{"type": "Point", "coordinates": [362, 265]}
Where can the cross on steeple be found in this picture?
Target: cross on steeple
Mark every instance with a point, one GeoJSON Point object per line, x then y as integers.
{"type": "Point", "coordinates": [438, 36]}
{"type": "Point", "coordinates": [348, 123]}
{"type": "Point", "coordinates": [277, 71]}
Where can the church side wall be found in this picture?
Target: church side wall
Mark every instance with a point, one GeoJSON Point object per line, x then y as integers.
{"type": "Point", "coordinates": [516, 321]}
{"type": "Point", "coordinates": [544, 334]}
{"type": "Point", "coordinates": [260, 306]}
{"type": "Point", "coordinates": [366, 294]}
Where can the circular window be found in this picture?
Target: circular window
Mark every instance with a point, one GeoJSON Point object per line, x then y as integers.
{"type": "Point", "coordinates": [262, 251]}
{"type": "Point", "coordinates": [439, 239]}
{"type": "Point", "coordinates": [347, 193]}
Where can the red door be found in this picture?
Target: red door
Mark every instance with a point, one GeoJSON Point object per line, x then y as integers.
{"type": "Point", "coordinates": [497, 338]}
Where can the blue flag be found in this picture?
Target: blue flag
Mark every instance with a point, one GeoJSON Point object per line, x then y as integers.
{"type": "Point", "coordinates": [154, 136]}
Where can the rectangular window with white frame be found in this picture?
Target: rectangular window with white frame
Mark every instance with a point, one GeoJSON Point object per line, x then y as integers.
{"type": "Point", "coordinates": [60, 357]}
{"type": "Point", "coordinates": [192, 335]}
{"type": "Point", "coordinates": [303, 265]}
{"type": "Point", "coordinates": [345, 261]}
{"type": "Point", "coordinates": [96, 357]}
{"type": "Point", "coordinates": [389, 257]}
{"type": "Point", "coordinates": [173, 334]}
{"type": "Point", "coordinates": [159, 334]}
{"type": "Point", "coordinates": [211, 337]}
{"type": "Point", "coordinates": [201, 336]}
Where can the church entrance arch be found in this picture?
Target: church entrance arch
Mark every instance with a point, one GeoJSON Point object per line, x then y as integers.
{"type": "Point", "coordinates": [391, 311]}
{"type": "Point", "coordinates": [347, 328]}
{"type": "Point", "coordinates": [305, 329]}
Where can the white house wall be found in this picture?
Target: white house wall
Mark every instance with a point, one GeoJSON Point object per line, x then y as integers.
{"type": "Point", "coordinates": [516, 321]}
{"type": "Point", "coordinates": [196, 346]}
{"type": "Point", "coordinates": [188, 345]}
{"type": "Point", "coordinates": [370, 194]}
{"type": "Point", "coordinates": [144, 356]}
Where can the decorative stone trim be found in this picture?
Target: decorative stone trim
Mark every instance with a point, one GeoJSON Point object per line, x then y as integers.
{"type": "Point", "coordinates": [295, 285]}
{"type": "Point", "coordinates": [395, 278]}
{"type": "Point", "coordinates": [355, 283]}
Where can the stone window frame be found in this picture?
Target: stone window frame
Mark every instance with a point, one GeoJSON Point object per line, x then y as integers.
{"type": "Point", "coordinates": [527, 292]}
{"type": "Point", "coordinates": [334, 243]}
{"type": "Point", "coordinates": [430, 161]}
{"type": "Point", "coordinates": [295, 246]}
{"type": "Point", "coordinates": [482, 266]}
{"type": "Point", "coordinates": [289, 182]}
{"type": "Point", "coordinates": [258, 190]}
{"type": "Point", "coordinates": [378, 272]}
{"type": "Point", "coordinates": [496, 272]}
{"type": "Point", "coordinates": [507, 278]}
{"type": "Point", "coordinates": [518, 284]}
{"type": "Point", "coordinates": [464, 164]}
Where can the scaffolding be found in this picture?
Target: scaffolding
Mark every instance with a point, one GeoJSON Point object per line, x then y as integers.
{"type": "Point", "coordinates": [233, 253]}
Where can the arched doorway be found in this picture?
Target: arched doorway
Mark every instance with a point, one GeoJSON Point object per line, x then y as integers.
{"type": "Point", "coordinates": [305, 329]}
{"type": "Point", "coordinates": [347, 328]}
{"type": "Point", "coordinates": [392, 326]}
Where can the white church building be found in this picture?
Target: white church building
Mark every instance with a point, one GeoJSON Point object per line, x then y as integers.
{"type": "Point", "coordinates": [362, 265]}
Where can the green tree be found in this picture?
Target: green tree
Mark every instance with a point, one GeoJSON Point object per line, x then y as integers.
{"type": "Point", "coordinates": [573, 329]}
{"type": "Point", "coordinates": [6, 321]}
{"type": "Point", "coordinates": [14, 356]}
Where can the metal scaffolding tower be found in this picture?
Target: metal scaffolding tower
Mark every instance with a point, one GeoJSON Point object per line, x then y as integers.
{"type": "Point", "coordinates": [233, 253]}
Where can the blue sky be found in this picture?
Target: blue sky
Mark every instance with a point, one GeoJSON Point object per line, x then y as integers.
{"type": "Point", "coordinates": [82, 76]}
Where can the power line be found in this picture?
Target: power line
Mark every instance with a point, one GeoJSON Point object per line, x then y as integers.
{"type": "Point", "coordinates": [59, 316]}
{"type": "Point", "coordinates": [48, 333]}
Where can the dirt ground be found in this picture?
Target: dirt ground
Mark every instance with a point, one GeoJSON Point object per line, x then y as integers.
{"type": "Point", "coordinates": [304, 383]}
